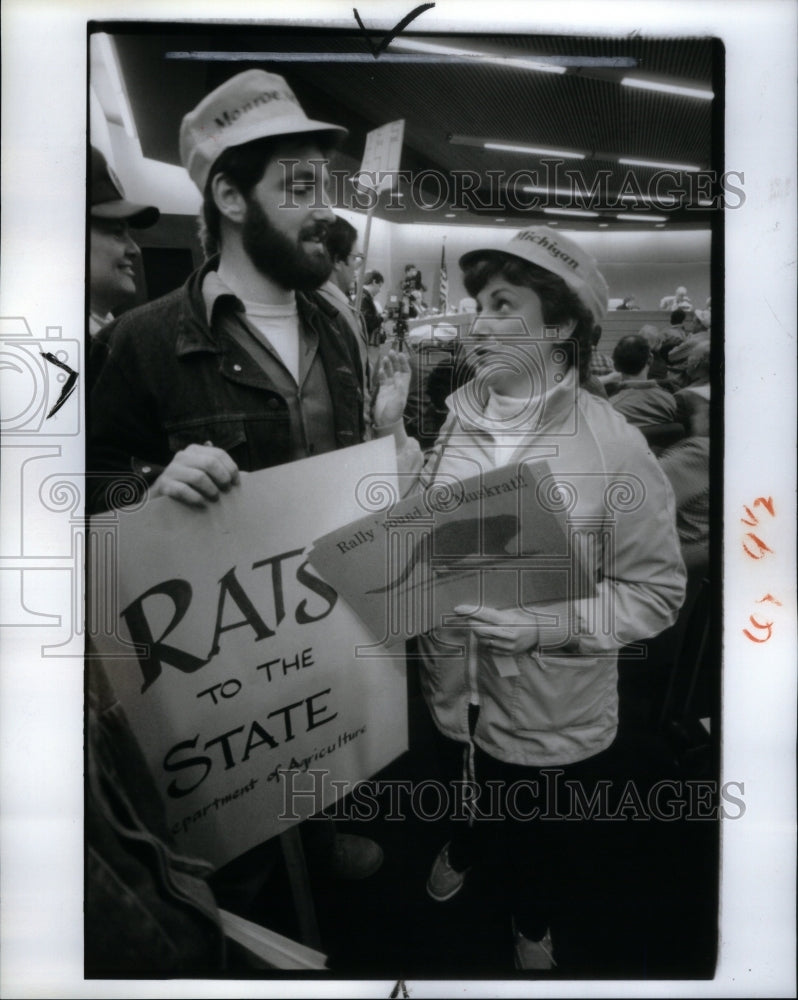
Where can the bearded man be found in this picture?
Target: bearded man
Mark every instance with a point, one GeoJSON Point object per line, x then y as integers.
{"type": "Point", "coordinates": [244, 367]}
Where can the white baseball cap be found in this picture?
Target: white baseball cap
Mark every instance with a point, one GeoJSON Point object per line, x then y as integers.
{"type": "Point", "coordinates": [560, 255]}
{"type": "Point", "coordinates": [252, 105]}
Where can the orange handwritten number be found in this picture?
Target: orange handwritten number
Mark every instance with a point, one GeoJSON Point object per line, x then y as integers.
{"type": "Point", "coordinates": [763, 548]}
{"type": "Point", "coordinates": [767, 503]}
{"type": "Point", "coordinates": [761, 626]}
{"type": "Point", "coordinates": [754, 519]}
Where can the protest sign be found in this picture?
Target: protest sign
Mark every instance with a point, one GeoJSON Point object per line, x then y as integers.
{"type": "Point", "coordinates": [499, 539]}
{"type": "Point", "coordinates": [381, 156]}
{"type": "Point", "coordinates": [246, 663]}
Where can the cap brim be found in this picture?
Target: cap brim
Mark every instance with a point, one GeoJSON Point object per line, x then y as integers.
{"type": "Point", "coordinates": [138, 216]}
{"type": "Point", "coordinates": [291, 127]}
{"type": "Point", "coordinates": [337, 132]}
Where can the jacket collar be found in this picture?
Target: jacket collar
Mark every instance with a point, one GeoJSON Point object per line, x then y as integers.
{"type": "Point", "coordinates": [469, 401]}
{"type": "Point", "coordinates": [195, 319]}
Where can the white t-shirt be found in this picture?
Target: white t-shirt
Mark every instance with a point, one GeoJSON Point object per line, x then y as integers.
{"type": "Point", "coordinates": [279, 327]}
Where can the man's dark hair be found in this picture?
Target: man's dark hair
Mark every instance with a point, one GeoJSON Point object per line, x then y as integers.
{"type": "Point", "coordinates": [559, 303]}
{"type": "Point", "coordinates": [373, 278]}
{"type": "Point", "coordinates": [631, 354]}
{"type": "Point", "coordinates": [677, 317]}
{"type": "Point", "coordinates": [340, 239]}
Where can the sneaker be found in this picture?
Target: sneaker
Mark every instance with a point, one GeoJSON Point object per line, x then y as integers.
{"type": "Point", "coordinates": [355, 857]}
{"type": "Point", "coordinates": [444, 882]}
{"type": "Point", "coordinates": [534, 954]}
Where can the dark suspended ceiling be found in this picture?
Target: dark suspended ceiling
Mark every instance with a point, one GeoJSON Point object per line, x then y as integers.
{"type": "Point", "coordinates": [336, 78]}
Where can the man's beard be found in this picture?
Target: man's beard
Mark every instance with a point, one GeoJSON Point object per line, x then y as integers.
{"type": "Point", "coordinates": [281, 259]}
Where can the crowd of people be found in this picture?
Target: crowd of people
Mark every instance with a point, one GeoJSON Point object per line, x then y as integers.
{"type": "Point", "coordinates": [272, 322]}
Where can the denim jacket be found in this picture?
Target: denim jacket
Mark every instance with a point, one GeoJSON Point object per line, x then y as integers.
{"type": "Point", "coordinates": [147, 908]}
{"type": "Point", "coordinates": [161, 377]}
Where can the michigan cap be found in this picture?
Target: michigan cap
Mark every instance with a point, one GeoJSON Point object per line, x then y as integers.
{"type": "Point", "coordinates": [558, 254]}
{"type": "Point", "coordinates": [251, 105]}
{"type": "Point", "coordinates": [108, 198]}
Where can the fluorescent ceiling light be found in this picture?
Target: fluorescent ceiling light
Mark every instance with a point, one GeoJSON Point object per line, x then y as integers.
{"type": "Point", "coordinates": [571, 211]}
{"type": "Point", "coordinates": [575, 194]}
{"type": "Point", "coordinates": [667, 199]}
{"type": "Point", "coordinates": [569, 154]}
{"type": "Point", "coordinates": [536, 189]}
{"type": "Point", "coordinates": [667, 88]}
{"type": "Point", "coordinates": [511, 62]}
{"type": "Point", "coordinates": [658, 165]}
{"type": "Point", "coordinates": [628, 217]}
{"type": "Point", "coordinates": [107, 52]}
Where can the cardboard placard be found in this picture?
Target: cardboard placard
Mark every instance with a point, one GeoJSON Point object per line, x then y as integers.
{"type": "Point", "coordinates": [248, 665]}
{"type": "Point", "coordinates": [500, 540]}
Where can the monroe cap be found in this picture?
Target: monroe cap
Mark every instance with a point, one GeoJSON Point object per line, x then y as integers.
{"type": "Point", "coordinates": [252, 105]}
{"type": "Point", "coordinates": [558, 254]}
{"type": "Point", "coordinates": [108, 198]}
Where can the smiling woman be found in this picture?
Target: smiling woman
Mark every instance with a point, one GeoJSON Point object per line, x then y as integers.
{"type": "Point", "coordinates": [113, 254]}
{"type": "Point", "coordinates": [112, 257]}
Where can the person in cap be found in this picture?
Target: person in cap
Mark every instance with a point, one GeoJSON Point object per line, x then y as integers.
{"type": "Point", "coordinates": [517, 689]}
{"type": "Point", "coordinates": [177, 931]}
{"type": "Point", "coordinates": [245, 367]}
{"type": "Point", "coordinates": [113, 254]}
{"type": "Point", "coordinates": [248, 330]}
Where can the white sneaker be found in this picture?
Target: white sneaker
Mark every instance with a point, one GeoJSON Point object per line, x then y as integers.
{"type": "Point", "coordinates": [444, 881]}
{"type": "Point", "coordinates": [534, 954]}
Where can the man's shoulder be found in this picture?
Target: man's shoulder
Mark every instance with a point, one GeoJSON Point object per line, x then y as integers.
{"type": "Point", "coordinates": [156, 317]}
{"type": "Point", "coordinates": [318, 301]}
{"type": "Point", "coordinates": [317, 308]}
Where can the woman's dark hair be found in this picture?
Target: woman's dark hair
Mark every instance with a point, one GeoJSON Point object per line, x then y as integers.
{"type": "Point", "coordinates": [559, 302]}
{"type": "Point", "coordinates": [244, 165]}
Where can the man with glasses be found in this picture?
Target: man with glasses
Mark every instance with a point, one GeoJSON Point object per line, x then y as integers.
{"type": "Point", "coordinates": [339, 289]}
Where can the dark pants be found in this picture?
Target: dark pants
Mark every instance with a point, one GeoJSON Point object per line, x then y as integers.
{"type": "Point", "coordinates": [526, 830]}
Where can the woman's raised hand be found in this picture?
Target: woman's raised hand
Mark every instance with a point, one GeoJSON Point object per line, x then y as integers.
{"type": "Point", "coordinates": [393, 384]}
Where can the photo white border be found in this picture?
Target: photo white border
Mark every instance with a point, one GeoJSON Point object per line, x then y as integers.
{"type": "Point", "coordinates": [41, 702]}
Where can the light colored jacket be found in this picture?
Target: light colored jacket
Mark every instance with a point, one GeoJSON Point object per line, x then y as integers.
{"type": "Point", "coordinates": [562, 706]}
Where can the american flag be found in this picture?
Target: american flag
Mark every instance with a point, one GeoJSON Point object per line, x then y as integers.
{"type": "Point", "coordinates": [443, 287]}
